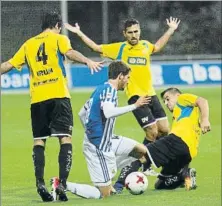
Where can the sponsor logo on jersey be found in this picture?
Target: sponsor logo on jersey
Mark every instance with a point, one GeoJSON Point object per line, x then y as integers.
{"type": "Point", "coordinates": [136, 61]}
{"type": "Point", "coordinates": [48, 81]}
{"type": "Point", "coordinates": [45, 72]}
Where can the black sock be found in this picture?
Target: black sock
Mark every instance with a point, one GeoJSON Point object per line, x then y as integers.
{"type": "Point", "coordinates": [146, 141]}
{"type": "Point", "coordinates": [148, 161]}
{"type": "Point", "coordinates": [65, 162]}
{"type": "Point", "coordinates": [134, 166]}
{"type": "Point", "coordinates": [172, 182]}
{"type": "Point", "coordinates": [39, 163]}
{"type": "Point", "coordinates": [145, 165]}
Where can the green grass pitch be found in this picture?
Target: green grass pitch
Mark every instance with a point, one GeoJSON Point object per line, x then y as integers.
{"type": "Point", "coordinates": [18, 182]}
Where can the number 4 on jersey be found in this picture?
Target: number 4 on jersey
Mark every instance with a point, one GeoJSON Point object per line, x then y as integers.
{"type": "Point", "coordinates": [41, 55]}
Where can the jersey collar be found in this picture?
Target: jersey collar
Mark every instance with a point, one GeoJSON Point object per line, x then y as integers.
{"type": "Point", "coordinates": [138, 46]}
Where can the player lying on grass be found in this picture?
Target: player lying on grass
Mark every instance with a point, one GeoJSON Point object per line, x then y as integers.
{"type": "Point", "coordinates": [101, 147]}
{"type": "Point", "coordinates": [175, 151]}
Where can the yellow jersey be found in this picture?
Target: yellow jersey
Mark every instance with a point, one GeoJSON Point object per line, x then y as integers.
{"type": "Point", "coordinates": [186, 121]}
{"type": "Point", "coordinates": [44, 55]}
{"type": "Point", "coordinates": [138, 59]}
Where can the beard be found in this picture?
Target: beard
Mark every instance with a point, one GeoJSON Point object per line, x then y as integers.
{"type": "Point", "coordinates": [133, 41]}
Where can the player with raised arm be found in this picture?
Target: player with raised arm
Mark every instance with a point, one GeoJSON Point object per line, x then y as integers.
{"type": "Point", "coordinates": [175, 151]}
{"type": "Point", "coordinates": [136, 53]}
{"type": "Point", "coordinates": [51, 111]}
{"type": "Point", "coordinates": [101, 147]}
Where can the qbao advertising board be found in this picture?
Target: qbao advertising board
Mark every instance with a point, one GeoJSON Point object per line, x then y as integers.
{"type": "Point", "coordinates": [170, 73]}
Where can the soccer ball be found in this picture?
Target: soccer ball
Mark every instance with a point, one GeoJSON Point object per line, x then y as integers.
{"type": "Point", "coordinates": [136, 183]}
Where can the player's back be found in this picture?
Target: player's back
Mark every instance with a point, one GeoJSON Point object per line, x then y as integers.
{"type": "Point", "coordinates": [186, 121]}
{"type": "Point", "coordinates": [98, 128]}
{"type": "Point", "coordinates": [42, 52]}
{"type": "Point", "coordinates": [44, 55]}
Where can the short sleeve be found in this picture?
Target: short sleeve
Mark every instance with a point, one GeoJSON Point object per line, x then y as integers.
{"type": "Point", "coordinates": [150, 47]}
{"type": "Point", "coordinates": [64, 44]}
{"type": "Point", "coordinates": [111, 50]}
{"type": "Point", "coordinates": [18, 60]}
{"type": "Point", "coordinates": [187, 99]}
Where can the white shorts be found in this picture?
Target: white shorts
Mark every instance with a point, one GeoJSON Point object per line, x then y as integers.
{"type": "Point", "coordinates": [102, 166]}
{"type": "Point", "coordinates": [122, 146]}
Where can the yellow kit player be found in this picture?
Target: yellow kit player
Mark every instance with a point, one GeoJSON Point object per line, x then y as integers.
{"type": "Point", "coordinates": [51, 111]}
{"type": "Point", "coordinates": [175, 151]}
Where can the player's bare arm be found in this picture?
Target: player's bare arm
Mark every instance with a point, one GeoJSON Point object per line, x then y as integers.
{"type": "Point", "coordinates": [77, 56]}
{"type": "Point", "coordinates": [204, 110]}
{"type": "Point", "coordinates": [173, 24]}
{"type": "Point", "coordinates": [90, 43]}
{"type": "Point", "coordinates": [6, 67]}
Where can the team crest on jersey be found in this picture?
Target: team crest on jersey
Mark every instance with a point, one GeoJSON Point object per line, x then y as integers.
{"type": "Point", "coordinates": [136, 61]}
{"type": "Point", "coordinates": [109, 95]}
{"type": "Point", "coordinates": [145, 51]}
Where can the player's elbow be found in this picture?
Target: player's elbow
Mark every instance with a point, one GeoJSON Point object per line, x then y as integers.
{"type": "Point", "coordinates": [107, 115]}
{"type": "Point", "coordinates": [156, 48]}
{"type": "Point", "coordinates": [97, 48]}
{"type": "Point", "coordinates": [69, 54]}
{"type": "Point", "coordinates": [6, 67]}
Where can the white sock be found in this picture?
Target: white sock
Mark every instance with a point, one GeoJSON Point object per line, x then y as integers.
{"type": "Point", "coordinates": [82, 190]}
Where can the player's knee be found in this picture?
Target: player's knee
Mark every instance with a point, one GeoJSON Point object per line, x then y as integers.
{"type": "Point", "coordinates": [65, 140]}
{"type": "Point", "coordinates": [163, 128]}
{"type": "Point", "coordinates": [163, 131]}
{"type": "Point", "coordinates": [138, 151]}
{"type": "Point", "coordinates": [151, 133]}
{"type": "Point", "coordinates": [105, 194]}
{"type": "Point", "coordinates": [105, 191]}
{"type": "Point", "coordinates": [40, 142]}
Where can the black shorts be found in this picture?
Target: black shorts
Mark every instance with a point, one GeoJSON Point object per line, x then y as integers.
{"type": "Point", "coordinates": [52, 117]}
{"type": "Point", "coordinates": [170, 152]}
{"type": "Point", "coordinates": [148, 114]}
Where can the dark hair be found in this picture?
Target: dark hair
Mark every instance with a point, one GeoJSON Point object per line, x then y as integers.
{"type": "Point", "coordinates": [50, 19]}
{"type": "Point", "coordinates": [130, 22]}
{"type": "Point", "coordinates": [172, 90]}
{"type": "Point", "coordinates": [116, 68]}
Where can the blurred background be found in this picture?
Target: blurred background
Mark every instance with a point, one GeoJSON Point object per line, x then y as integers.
{"type": "Point", "coordinates": [199, 31]}
{"type": "Point", "coordinates": [197, 39]}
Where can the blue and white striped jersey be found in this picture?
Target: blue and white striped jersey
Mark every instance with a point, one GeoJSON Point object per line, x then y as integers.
{"type": "Point", "coordinates": [98, 128]}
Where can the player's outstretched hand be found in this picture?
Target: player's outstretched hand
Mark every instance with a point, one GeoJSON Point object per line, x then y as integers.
{"type": "Point", "coordinates": [173, 23]}
{"type": "Point", "coordinates": [205, 126]}
{"type": "Point", "coordinates": [142, 101]}
{"type": "Point", "coordinates": [94, 66]}
{"type": "Point", "coordinates": [75, 29]}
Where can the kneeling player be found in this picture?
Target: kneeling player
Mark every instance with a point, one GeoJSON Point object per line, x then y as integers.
{"type": "Point", "coordinates": [175, 151]}
{"type": "Point", "coordinates": [98, 116]}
